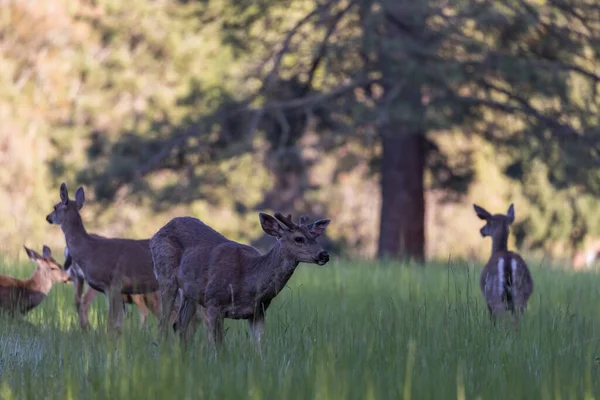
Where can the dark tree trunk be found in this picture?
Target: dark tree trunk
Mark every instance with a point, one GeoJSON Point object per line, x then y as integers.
{"type": "Point", "coordinates": [402, 228]}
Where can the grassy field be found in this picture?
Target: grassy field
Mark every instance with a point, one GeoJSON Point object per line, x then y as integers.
{"type": "Point", "coordinates": [355, 331]}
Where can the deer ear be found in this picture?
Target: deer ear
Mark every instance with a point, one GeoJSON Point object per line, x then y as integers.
{"type": "Point", "coordinates": [64, 193]}
{"type": "Point", "coordinates": [33, 256]}
{"type": "Point", "coordinates": [79, 198]}
{"type": "Point", "coordinates": [511, 214]}
{"type": "Point", "coordinates": [270, 225]}
{"type": "Point", "coordinates": [317, 227]}
{"type": "Point", "coordinates": [46, 252]}
{"type": "Point", "coordinates": [481, 212]}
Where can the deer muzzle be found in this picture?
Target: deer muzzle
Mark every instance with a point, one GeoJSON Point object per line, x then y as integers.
{"type": "Point", "coordinates": [49, 218]}
{"type": "Point", "coordinates": [322, 258]}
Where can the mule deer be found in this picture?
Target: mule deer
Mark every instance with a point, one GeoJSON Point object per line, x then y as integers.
{"type": "Point", "coordinates": [84, 300]}
{"type": "Point", "coordinates": [587, 257]}
{"type": "Point", "coordinates": [505, 281]}
{"type": "Point", "coordinates": [110, 265]}
{"type": "Point", "coordinates": [228, 279]}
{"type": "Point", "coordinates": [20, 296]}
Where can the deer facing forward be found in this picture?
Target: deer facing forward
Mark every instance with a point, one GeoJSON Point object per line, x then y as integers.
{"type": "Point", "coordinates": [18, 297]}
{"type": "Point", "coordinates": [505, 281]}
{"type": "Point", "coordinates": [225, 278]}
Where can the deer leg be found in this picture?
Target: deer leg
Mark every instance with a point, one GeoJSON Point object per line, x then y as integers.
{"type": "Point", "coordinates": [84, 306]}
{"type": "Point", "coordinates": [257, 327]}
{"type": "Point", "coordinates": [140, 301]}
{"type": "Point", "coordinates": [115, 309]}
{"type": "Point", "coordinates": [186, 314]}
{"type": "Point", "coordinates": [78, 283]}
{"type": "Point", "coordinates": [168, 294]}
{"type": "Point", "coordinates": [214, 326]}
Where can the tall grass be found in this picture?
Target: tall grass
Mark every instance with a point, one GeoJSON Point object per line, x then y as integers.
{"type": "Point", "coordinates": [354, 331]}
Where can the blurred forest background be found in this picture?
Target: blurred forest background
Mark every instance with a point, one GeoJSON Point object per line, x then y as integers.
{"type": "Point", "coordinates": [391, 117]}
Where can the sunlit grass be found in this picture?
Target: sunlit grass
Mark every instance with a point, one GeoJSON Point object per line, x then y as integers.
{"type": "Point", "coordinates": [346, 330]}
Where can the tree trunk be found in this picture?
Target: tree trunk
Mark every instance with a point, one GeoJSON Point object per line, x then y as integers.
{"type": "Point", "coordinates": [402, 229]}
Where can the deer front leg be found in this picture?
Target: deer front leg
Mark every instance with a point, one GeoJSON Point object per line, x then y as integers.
{"type": "Point", "coordinates": [84, 306]}
{"type": "Point", "coordinates": [257, 328]}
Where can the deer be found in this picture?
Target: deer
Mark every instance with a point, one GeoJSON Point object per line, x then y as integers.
{"type": "Point", "coordinates": [505, 282]}
{"type": "Point", "coordinates": [226, 279]}
{"type": "Point", "coordinates": [113, 266]}
{"type": "Point", "coordinates": [18, 297]}
{"type": "Point", "coordinates": [84, 300]}
{"type": "Point", "coordinates": [586, 258]}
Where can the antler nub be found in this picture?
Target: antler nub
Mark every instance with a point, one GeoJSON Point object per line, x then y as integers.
{"type": "Point", "coordinates": [287, 221]}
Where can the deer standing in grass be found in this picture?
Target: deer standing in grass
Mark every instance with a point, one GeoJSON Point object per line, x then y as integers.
{"type": "Point", "coordinates": [84, 300]}
{"type": "Point", "coordinates": [225, 278]}
{"type": "Point", "coordinates": [110, 265]}
{"type": "Point", "coordinates": [17, 297]}
{"type": "Point", "coordinates": [505, 281]}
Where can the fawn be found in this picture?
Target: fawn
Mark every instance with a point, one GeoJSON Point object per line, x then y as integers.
{"type": "Point", "coordinates": [17, 297]}
{"type": "Point", "coordinates": [84, 300]}
{"type": "Point", "coordinates": [505, 281]}
{"type": "Point", "coordinates": [110, 265]}
{"type": "Point", "coordinates": [229, 279]}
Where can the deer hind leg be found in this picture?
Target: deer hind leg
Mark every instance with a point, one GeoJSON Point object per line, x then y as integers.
{"type": "Point", "coordinates": [186, 314]}
{"type": "Point", "coordinates": [115, 309]}
{"type": "Point", "coordinates": [84, 306]}
{"type": "Point", "coordinates": [140, 301]}
{"type": "Point", "coordinates": [79, 284]}
{"type": "Point", "coordinates": [152, 301]}
{"type": "Point", "coordinates": [214, 325]}
{"type": "Point", "coordinates": [166, 257]}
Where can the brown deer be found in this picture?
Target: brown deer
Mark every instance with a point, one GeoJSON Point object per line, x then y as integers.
{"type": "Point", "coordinates": [84, 300]}
{"type": "Point", "coordinates": [18, 297]}
{"type": "Point", "coordinates": [586, 258]}
{"type": "Point", "coordinates": [229, 279]}
{"type": "Point", "coordinates": [505, 281]}
{"type": "Point", "coordinates": [110, 265]}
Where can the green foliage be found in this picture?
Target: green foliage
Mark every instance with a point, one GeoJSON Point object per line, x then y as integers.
{"type": "Point", "coordinates": [342, 331]}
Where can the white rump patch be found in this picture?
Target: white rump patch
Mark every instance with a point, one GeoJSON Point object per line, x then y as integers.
{"type": "Point", "coordinates": [501, 275]}
{"type": "Point", "coordinates": [514, 264]}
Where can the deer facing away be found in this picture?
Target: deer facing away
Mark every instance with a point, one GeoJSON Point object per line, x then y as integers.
{"type": "Point", "coordinates": [229, 279]}
{"type": "Point", "coordinates": [505, 281]}
{"type": "Point", "coordinates": [110, 265]}
{"type": "Point", "coordinates": [84, 300]}
{"type": "Point", "coordinates": [17, 297]}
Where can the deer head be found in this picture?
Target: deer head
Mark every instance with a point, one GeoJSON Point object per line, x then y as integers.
{"type": "Point", "coordinates": [48, 265]}
{"type": "Point", "coordinates": [66, 206]}
{"type": "Point", "coordinates": [297, 240]}
{"type": "Point", "coordinates": [496, 223]}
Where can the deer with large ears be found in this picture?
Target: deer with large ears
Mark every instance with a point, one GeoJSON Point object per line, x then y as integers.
{"type": "Point", "coordinates": [20, 296]}
{"type": "Point", "coordinates": [110, 265]}
{"type": "Point", "coordinates": [225, 278]}
{"type": "Point", "coordinates": [83, 300]}
{"type": "Point", "coordinates": [505, 281]}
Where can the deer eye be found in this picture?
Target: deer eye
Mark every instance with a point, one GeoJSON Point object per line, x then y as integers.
{"type": "Point", "coordinates": [299, 239]}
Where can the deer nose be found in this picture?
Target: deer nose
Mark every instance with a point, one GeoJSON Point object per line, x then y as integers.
{"type": "Point", "coordinates": [323, 257]}
{"type": "Point", "coordinates": [48, 219]}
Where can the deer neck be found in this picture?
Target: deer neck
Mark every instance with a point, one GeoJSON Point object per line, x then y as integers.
{"type": "Point", "coordinates": [75, 233]}
{"type": "Point", "coordinates": [39, 282]}
{"type": "Point", "coordinates": [276, 269]}
{"type": "Point", "coordinates": [500, 240]}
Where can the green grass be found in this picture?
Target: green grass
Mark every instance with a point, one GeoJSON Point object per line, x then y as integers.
{"type": "Point", "coordinates": [355, 331]}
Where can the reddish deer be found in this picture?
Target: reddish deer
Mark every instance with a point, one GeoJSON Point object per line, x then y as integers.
{"type": "Point", "coordinates": [110, 265]}
{"type": "Point", "coordinates": [21, 296]}
{"type": "Point", "coordinates": [84, 300]}
{"type": "Point", "coordinates": [225, 278]}
{"type": "Point", "coordinates": [505, 281]}
{"type": "Point", "coordinates": [586, 258]}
